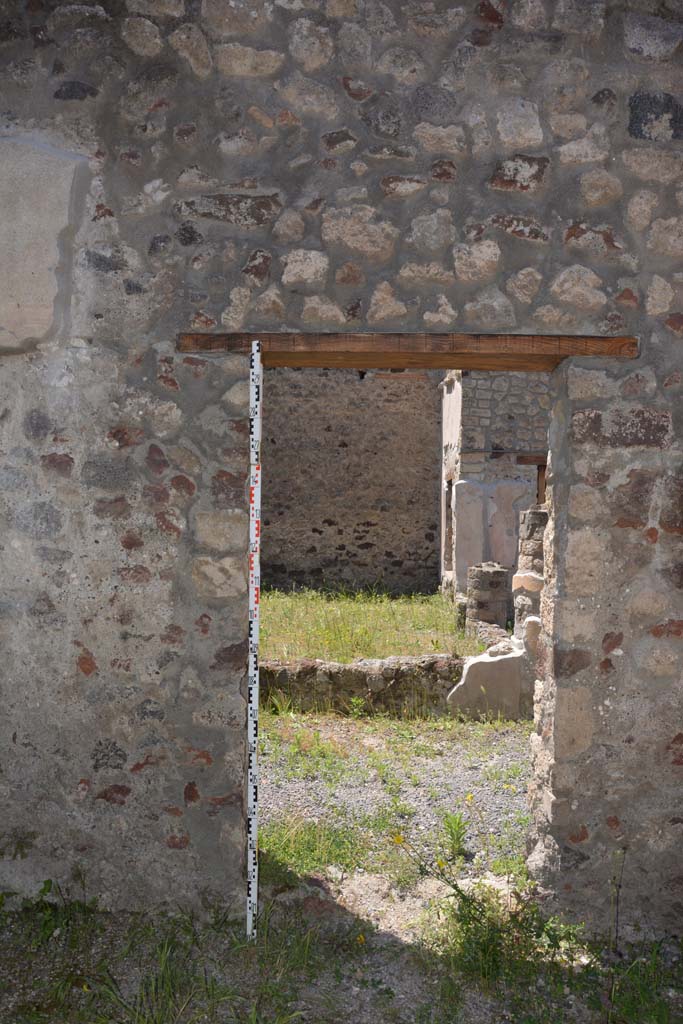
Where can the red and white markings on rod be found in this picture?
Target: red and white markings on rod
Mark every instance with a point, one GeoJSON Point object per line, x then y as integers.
{"type": "Point", "coordinates": [255, 396]}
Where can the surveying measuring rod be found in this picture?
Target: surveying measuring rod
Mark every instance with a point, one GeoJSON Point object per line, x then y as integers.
{"type": "Point", "coordinates": [255, 396]}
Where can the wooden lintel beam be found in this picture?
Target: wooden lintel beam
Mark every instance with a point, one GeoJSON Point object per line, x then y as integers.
{"type": "Point", "coordinates": [525, 352]}
{"type": "Point", "coordinates": [532, 460]}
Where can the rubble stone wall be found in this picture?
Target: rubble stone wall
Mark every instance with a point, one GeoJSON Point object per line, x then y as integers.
{"type": "Point", "coordinates": [351, 478]}
{"type": "Point", "coordinates": [491, 422]}
{"type": "Point", "coordinates": [325, 164]}
{"type": "Point", "coordinates": [505, 415]}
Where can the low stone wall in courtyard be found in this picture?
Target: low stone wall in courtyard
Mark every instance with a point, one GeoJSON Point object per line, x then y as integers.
{"type": "Point", "coordinates": [399, 685]}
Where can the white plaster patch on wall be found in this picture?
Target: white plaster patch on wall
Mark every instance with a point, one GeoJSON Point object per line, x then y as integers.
{"type": "Point", "coordinates": [36, 189]}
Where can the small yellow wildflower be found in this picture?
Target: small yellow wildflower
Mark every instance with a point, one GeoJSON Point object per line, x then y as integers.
{"type": "Point", "coordinates": [469, 798]}
{"type": "Point", "coordinates": [441, 864]}
{"type": "Point", "coordinates": [361, 940]}
{"type": "Point", "coordinates": [399, 839]}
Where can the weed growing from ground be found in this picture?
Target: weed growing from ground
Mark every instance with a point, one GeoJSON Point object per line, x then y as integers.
{"type": "Point", "coordinates": [455, 829]}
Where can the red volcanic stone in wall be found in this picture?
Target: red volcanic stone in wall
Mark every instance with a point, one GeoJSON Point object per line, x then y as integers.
{"type": "Point", "coordinates": [627, 297]}
{"type": "Point", "coordinates": [157, 462]}
{"type": "Point", "coordinates": [203, 624]}
{"type": "Point", "coordinates": [444, 170]}
{"type": "Point", "coordinates": [197, 366]}
{"type": "Point", "coordinates": [131, 540]}
{"type": "Point", "coordinates": [672, 627]}
{"type": "Point", "coordinates": [651, 535]}
{"type": "Point", "coordinates": [676, 748]}
{"type": "Point", "coordinates": [232, 657]}
{"type": "Point", "coordinates": [155, 494]}
{"type": "Point", "coordinates": [623, 428]}
{"type": "Point", "coordinates": [168, 381]}
{"type": "Point", "coordinates": [630, 502]}
{"type": "Point", "coordinates": [614, 823]}
{"type": "Point", "coordinates": [191, 793]}
{"type": "Point", "coordinates": [356, 89]}
{"type": "Point", "coordinates": [199, 756]}
{"type": "Point", "coordinates": [173, 634]}
{"type": "Point", "coordinates": [183, 485]}
{"type": "Point", "coordinates": [342, 140]}
{"type": "Point", "coordinates": [178, 842]}
{"type": "Point", "coordinates": [58, 462]}
{"type": "Point", "coordinates": [134, 574]}
{"type": "Point", "coordinates": [586, 237]}
{"type": "Point", "coordinates": [86, 662]}
{"type": "Point", "coordinates": [671, 515]}
{"type": "Point", "coordinates": [111, 508]}
{"type": "Point", "coordinates": [489, 12]}
{"type": "Point", "coordinates": [520, 173]}
{"type": "Point", "coordinates": [202, 319]}
{"type": "Point", "coordinates": [611, 641]}
{"type": "Point", "coordinates": [149, 761]}
{"type": "Point", "coordinates": [520, 227]}
{"type": "Point", "coordinates": [166, 523]}
{"type": "Point", "coordinates": [227, 488]}
{"type": "Point", "coordinates": [115, 794]}
{"type": "Point", "coordinates": [125, 437]}
{"type": "Point", "coordinates": [217, 803]}
{"type": "Point", "coordinates": [606, 666]}
{"type": "Point", "coordinates": [568, 663]}
{"type": "Point", "coordinates": [401, 185]}
{"type": "Point", "coordinates": [350, 273]}
{"type": "Point", "coordinates": [580, 836]}
{"type": "Point", "coordinates": [175, 812]}
{"type": "Point", "coordinates": [675, 323]}
{"type": "Point", "coordinates": [102, 212]}
{"type": "Point", "coordinates": [257, 267]}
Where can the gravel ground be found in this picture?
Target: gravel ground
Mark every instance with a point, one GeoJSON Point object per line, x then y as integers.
{"type": "Point", "coordinates": [481, 770]}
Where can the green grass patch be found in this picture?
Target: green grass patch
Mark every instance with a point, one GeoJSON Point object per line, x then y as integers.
{"type": "Point", "coordinates": [542, 969]}
{"type": "Point", "coordinates": [301, 847]}
{"type": "Point", "coordinates": [345, 626]}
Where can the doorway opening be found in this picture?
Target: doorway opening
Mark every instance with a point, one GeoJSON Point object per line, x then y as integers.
{"type": "Point", "coordinates": [358, 750]}
{"type": "Point", "coordinates": [306, 750]}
